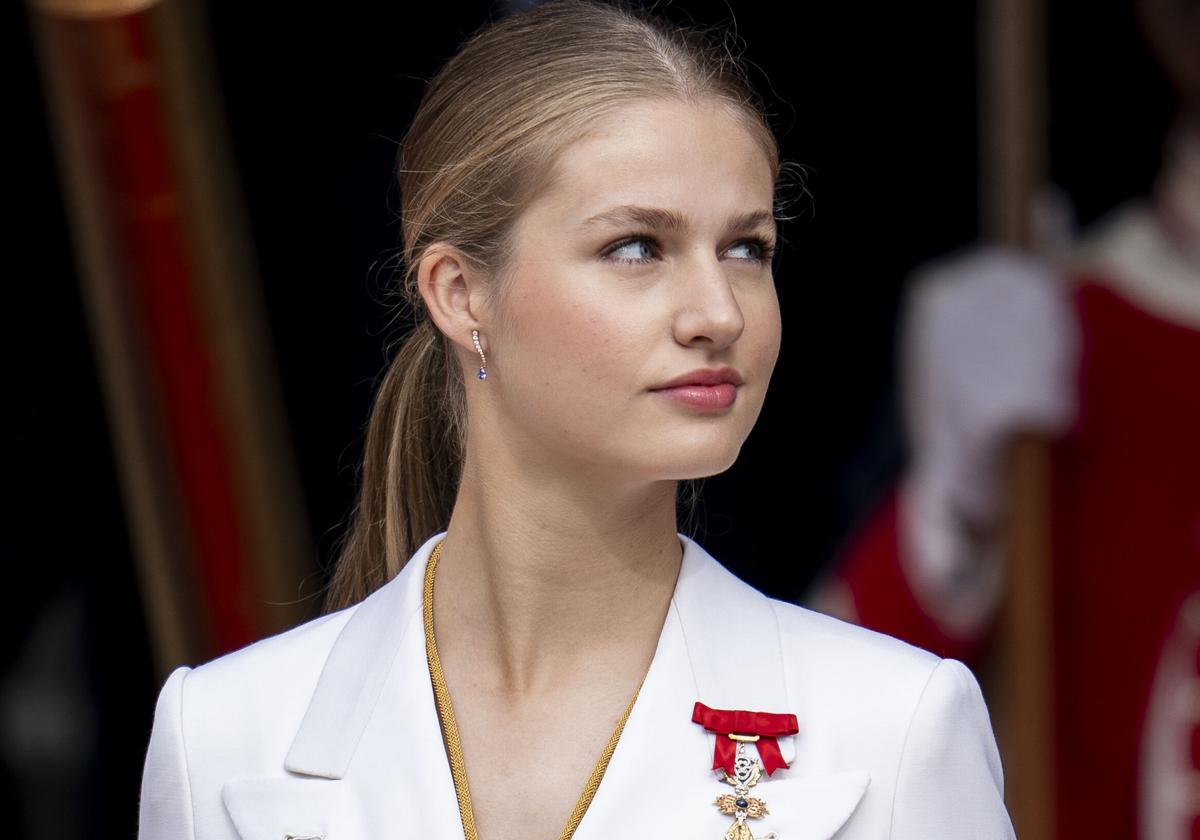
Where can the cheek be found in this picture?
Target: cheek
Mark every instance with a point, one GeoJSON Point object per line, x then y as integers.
{"type": "Point", "coordinates": [777, 328]}
{"type": "Point", "coordinates": [764, 329]}
{"type": "Point", "coordinates": [572, 376]}
{"type": "Point", "coordinates": [566, 336]}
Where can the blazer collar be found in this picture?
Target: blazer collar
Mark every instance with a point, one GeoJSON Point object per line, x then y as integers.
{"type": "Point", "coordinates": [726, 624]}
{"type": "Point", "coordinates": [720, 644]}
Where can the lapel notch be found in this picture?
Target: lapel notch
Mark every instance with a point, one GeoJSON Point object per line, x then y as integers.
{"type": "Point", "coordinates": [301, 808]}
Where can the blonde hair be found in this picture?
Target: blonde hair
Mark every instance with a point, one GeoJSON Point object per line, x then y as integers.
{"type": "Point", "coordinates": [482, 144]}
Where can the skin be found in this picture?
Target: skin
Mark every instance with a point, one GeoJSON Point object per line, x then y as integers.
{"type": "Point", "coordinates": [561, 555]}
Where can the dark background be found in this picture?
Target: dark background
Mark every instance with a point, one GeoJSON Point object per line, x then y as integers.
{"type": "Point", "coordinates": [879, 102]}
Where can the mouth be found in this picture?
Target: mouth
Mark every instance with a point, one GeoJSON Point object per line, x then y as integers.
{"type": "Point", "coordinates": [707, 389]}
{"type": "Point", "coordinates": [703, 378]}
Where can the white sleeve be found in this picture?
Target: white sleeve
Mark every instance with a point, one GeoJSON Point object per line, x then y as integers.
{"type": "Point", "coordinates": [165, 808]}
{"type": "Point", "coordinates": [950, 784]}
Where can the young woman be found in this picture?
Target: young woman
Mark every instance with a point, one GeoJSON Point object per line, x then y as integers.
{"type": "Point", "coordinates": [521, 644]}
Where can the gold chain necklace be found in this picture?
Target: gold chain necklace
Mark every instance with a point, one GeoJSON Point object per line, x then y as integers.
{"type": "Point", "coordinates": [445, 709]}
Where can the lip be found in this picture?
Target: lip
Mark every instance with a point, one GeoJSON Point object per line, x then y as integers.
{"type": "Point", "coordinates": [703, 376]}
{"type": "Point", "coordinates": [704, 397]}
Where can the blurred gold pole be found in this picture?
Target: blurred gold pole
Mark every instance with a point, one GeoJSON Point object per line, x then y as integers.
{"type": "Point", "coordinates": [178, 326]}
{"type": "Point", "coordinates": [84, 69]}
{"type": "Point", "coordinates": [1012, 117]}
{"type": "Point", "coordinates": [1025, 642]}
{"type": "Point", "coordinates": [1013, 150]}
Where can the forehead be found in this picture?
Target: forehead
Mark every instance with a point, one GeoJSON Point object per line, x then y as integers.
{"type": "Point", "coordinates": [695, 158]}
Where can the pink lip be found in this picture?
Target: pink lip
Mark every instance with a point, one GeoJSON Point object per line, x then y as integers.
{"type": "Point", "coordinates": [704, 388]}
{"type": "Point", "coordinates": [702, 396]}
{"type": "Point", "coordinates": [704, 376]}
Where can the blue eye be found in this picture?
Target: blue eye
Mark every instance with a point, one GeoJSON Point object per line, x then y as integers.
{"type": "Point", "coordinates": [762, 249]}
{"type": "Point", "coordinates": [627, 243]}
{"type": "Point", "coordinates": [751, 245]}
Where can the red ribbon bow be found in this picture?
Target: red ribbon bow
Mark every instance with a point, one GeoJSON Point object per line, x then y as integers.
{"type": "Point", "coordinates": [767, 725]}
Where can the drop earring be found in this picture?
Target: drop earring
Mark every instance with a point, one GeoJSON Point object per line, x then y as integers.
{"type": "Point", "coordinates": [483, 369]}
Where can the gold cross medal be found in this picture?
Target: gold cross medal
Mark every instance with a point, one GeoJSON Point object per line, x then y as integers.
{"type": "Point", "coordinates": [735, 729]}
{"type": "Point", "coordinates": [740, 804]}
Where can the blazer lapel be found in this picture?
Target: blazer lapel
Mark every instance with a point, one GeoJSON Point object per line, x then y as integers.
{"type": "Point", "coordinates": [368, 759]}
{"type": "Point", "coordinates": [297, 808]}
{"type": "Point", "coordinates": [721, 645]}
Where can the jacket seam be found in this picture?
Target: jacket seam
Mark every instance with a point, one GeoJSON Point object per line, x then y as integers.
{"type": "Point", "coordinates": [904, 745]}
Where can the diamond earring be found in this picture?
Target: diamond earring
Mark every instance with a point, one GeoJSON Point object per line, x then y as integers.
{"type": "Point", "coordinates": [483, 369]}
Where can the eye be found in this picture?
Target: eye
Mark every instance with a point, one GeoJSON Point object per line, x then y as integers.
{"type": "Point", "coordinates": [629, 243]}
{"type": "Point", "coordinates": [761, 250]}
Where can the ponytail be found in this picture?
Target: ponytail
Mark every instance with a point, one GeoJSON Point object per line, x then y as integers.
{"type": "Point", "coordinates": [411, 466]}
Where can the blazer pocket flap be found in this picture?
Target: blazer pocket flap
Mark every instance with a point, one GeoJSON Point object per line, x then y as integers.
{"type": "Point", "coordinates": [810, 807]}
{"type": "Point", "coordinates": [302, 809]}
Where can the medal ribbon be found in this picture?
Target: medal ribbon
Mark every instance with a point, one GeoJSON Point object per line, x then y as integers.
{"type": "Point", "coordinates": [767, 725]}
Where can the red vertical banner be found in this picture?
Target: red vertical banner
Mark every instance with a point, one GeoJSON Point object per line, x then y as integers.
{"type": "Point", "coordinates": [201, 444]}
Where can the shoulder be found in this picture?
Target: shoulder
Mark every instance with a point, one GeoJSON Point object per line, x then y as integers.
{"type": "Point", "coordinates": [831, 666]}
{"type": "Point", "coordinates": [294, 653]}
{"type": "Point", "coordinates": [874, 694]}
{"type": "Point", "coordinates": [917, 722]}
{"type": "Point", "coordinates": [257, 694]}
{"type": "Point", "coordinates": [828, 642]}
{"type": "Point", "coordinates": [856, 680]}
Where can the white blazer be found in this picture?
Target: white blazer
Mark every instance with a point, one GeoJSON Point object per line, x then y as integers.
{"type": "Point", "coordinates": [330, 730]}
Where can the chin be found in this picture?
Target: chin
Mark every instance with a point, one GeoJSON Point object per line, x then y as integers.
{"type": "Point", "coordinates": [704, 465]}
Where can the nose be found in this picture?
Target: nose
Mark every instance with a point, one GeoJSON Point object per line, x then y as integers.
{"type": "Point", "coordinates": [708, 311]}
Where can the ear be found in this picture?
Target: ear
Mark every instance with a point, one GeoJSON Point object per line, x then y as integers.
{"type": "Point", "coordinates": [453, 293]}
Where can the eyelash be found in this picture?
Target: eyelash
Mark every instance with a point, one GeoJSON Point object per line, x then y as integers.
{"type": "Point", "coordinates": [765, 249]}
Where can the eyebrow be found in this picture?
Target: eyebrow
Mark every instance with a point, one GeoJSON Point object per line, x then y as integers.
{"type": "Point", "coordinates": [661, 219]}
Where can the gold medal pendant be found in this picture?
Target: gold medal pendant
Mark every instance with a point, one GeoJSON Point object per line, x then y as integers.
{"type": "Point", "coordinates": [740, 804]}
{"type": "Point", "coordinates": [740, 770]}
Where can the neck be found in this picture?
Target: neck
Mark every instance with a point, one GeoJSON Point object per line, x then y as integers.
{"type": "Point", "coordinates": [540, 573]}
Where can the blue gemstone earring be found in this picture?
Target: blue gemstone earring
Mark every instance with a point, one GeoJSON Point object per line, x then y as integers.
{"type": "Point", "coordinates": [482, 370]}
